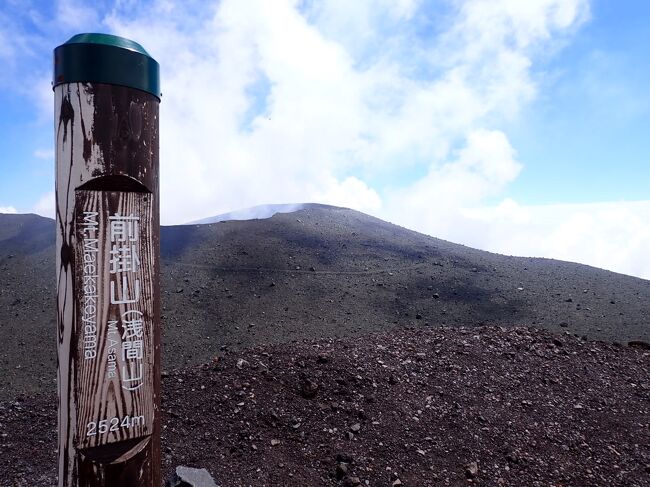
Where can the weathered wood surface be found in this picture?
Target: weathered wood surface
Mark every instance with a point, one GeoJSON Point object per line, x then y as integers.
{"type": "Point", "coordinates": [115, 283]}
{"type": "Point", "coordinates": [107, 163]}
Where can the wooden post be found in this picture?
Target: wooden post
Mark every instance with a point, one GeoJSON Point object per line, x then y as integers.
{"type": "Point", "coordinates": [106, 92]}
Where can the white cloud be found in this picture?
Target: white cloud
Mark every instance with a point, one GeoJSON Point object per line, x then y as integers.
{"type": "Point", "coordinates": [47, 154]}
{"type": "Point", "coordinates": [350, 193]}
{"type": "Point", "coordinates": [45, 206]}
{"type": "Point", "coordinates": [611, 235]}
{"type": "Point", "coordinates": [7, 209]}
{"type": "Point", "coordinates": [75, 14]}
{"type": "Point", "coordinates": [265, 103]}
{"type": "Point", "coordinates": [434, 204]}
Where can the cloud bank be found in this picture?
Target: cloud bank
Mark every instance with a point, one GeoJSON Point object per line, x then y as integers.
{"type": "Point", "coordinates": [395, 108]}
{"type": "Point", "coordinates": [334, 101]}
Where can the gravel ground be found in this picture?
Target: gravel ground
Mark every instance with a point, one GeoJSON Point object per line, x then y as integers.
{"type": "Point", "coordinates": [321, 272]}
{"type": "Point", "coordinates": [485, 406]}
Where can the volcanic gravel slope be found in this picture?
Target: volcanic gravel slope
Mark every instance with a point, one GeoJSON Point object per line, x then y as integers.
{"type": "Point", "coordinates": [320, 272]}
{"type": "Point", "coordinates": [483, 406]}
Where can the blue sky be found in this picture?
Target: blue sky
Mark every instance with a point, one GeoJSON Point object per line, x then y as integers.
{"type": "Point", "coordinates": [515, 121]}
{"type": "Point", "coordinates": [586, 137]}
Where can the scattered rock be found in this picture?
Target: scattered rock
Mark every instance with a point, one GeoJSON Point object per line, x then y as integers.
{"type": "Point", "coordinates": [323, 358]}
{"type": "Point", "coordinates": [351, 482]}
{"type": "Point", "coordinates": [436, 374]}
{"type": "Point", "coordinates": [471, 470]}
{"type": "Point", "coordinates": [190, 477]}
{"type": "Point", "coordinates": [342, 457]}
{"type": "Point", "coordinates": [308, 388]}
{"type": "Point", "coordinates": [341, 470]}
{"type": "Point", "coordinates": [512, 456]}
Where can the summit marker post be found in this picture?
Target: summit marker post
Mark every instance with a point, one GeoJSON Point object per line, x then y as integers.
{"type": "Point", "coordinates": [107, 94]}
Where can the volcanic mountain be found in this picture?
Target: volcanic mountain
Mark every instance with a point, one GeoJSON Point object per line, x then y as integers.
{"type": "Point", "coordinates": [327, 347]}
{"type": "Point", "coordinates": [321, 271]}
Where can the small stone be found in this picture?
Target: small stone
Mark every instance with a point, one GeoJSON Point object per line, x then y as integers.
{"type": "Point", "coordinates": [471, 470]}
{"type": "Point", "coordinates": [351, 482]}
{"type": "Point", "coordinates": [418, 316]}
{"type": "Point", "coordinates": [342, 457]}
{"type": "Point", "coordinates": [355, 428]}
{"type": "Point", "coordinates": [341, 470]}
{"type": "Point", "coordinates": [436, 295]}
{"type": "Point", "coordinates": [275, 442]}
{"type": "Point", "coordinates": [323, 358]}
{"type": "Point", "coordinates": [397, 483]}
{"type": "Point", "coordinates": [192, 477]}
{"type": "Point", "coordinates": [308, 388]}
{"type": "Point", "coordinates": [512, 456]}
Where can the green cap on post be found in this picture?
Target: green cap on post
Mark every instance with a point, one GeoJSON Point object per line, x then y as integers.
{"type": "Point", "coordinates": [105, 58]}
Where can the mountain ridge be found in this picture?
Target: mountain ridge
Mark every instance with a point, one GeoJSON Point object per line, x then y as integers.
{"type": "Point", "coordinates": [316, 273]}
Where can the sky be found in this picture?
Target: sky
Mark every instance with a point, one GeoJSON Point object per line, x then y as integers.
{"type": "Point", "coordinates": [519, 127]}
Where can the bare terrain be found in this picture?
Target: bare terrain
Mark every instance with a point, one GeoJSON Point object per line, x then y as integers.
{"type": "Point", "coordinates": [452, 407]}
{"type": "Point", "coordinates": [282, 336]}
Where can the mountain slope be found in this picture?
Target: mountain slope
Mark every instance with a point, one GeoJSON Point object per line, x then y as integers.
{"type": "Point", "coordinates": [318, 272]}
{"type": "Point", "coordinates": [455, 407]}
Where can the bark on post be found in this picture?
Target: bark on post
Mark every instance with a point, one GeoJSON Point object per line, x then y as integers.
{"type": "Point", "coordinates": [106, 92]}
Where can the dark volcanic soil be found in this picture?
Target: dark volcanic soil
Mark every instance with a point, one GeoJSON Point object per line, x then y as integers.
{"type": "Point", "coordinates": [344, 349]}
{"type": "Point", "coordinates": [319, 272]}
{"type": "Point", "coordinates": [465, 406]}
